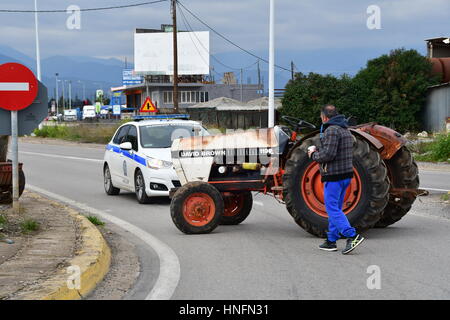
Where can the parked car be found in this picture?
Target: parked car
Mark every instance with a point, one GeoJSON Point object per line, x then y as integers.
{"type": "Point", "coordinates": [89, 112]}
{"type": "Point", "coordinates": [138, 157]}
{"type": "Point", "coordinates": [70, 115]}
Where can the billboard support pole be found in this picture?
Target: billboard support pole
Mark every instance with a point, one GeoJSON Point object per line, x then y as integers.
{"type": "Point", "coordinates": [175, 57]}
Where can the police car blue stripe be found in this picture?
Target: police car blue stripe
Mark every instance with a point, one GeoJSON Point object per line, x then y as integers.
{"type": "Point", "coordinates": [127, 154]}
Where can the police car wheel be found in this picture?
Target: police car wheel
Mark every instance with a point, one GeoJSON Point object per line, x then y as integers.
{"type": "Point", "coordinates": [139, 185]}
{"type": "Point", "coordinates": [109, 188]}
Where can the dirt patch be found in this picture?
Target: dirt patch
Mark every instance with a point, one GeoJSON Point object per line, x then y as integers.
{"type": "Point", "coordinates": [38, 254]}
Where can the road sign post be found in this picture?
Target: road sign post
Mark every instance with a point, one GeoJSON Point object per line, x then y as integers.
{"type": "Point", "coordinates": [18, 90]}
{"type": "Point", "coordinates": [15, 161]}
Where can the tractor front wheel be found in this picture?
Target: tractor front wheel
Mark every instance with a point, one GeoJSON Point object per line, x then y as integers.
{"type": "Point", "coordinates": [364, 202]}
{"type": "Point", "coordinates": [237, 207]}
{"type": "Point", "coordinates": [196, 208]}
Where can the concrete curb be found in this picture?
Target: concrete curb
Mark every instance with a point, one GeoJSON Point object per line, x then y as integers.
{"type": "Point", "coordinates": [93, 259]}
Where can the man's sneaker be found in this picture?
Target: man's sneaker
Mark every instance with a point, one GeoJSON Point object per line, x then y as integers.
{"type": "Point", "coordinates": [352, 243]}
{"type": "Point", "coordinates": [328, 246]}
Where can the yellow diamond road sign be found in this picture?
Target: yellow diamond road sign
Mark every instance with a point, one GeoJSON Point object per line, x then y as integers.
{"type": "Point", "coordinates": [148, 106]}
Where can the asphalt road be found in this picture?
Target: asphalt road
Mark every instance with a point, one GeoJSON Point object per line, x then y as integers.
{"type": "Point", "coordinates": [268, 256]}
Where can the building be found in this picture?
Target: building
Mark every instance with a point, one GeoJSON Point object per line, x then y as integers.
{"type": "Point", "coordinates": [153, 52]}
{"type": "Point", "coordinates": [437, 109]}
{"type": "Point", "coordinates": [190, 94]}
{"type": "Point", "coordinates": [438, 47]}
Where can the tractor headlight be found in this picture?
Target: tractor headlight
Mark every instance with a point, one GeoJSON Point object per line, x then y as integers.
{"type": "Point", "coordinates": [158, 164]}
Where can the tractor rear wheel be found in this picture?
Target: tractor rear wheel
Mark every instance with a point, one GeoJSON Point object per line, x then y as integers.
{"type": "Point", "coordinates": [365, 200]}
{"type": "Point", "coordinates": [237, 207]}
{"type": "Point", "coordinates": [196, 208]}
{"type": "Point", "coordinates": [403, 173]}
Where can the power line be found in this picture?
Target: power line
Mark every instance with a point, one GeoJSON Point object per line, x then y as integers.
{"type": "Point", "coordinates": [195, 45]}
{"type": "Point", "coordinates": [189, 27]}
{"type": "Point", "coordinates": [228, 40]}
{"type": "Point", "coordinates": [83, 10]}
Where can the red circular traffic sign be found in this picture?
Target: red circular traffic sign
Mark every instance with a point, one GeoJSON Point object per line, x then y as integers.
{"type": "Point", "coordinates": [18, 86]}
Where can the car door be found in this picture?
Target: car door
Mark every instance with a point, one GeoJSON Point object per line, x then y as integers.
{"type": "Point", "coordinates": [130, 159]}
{"type": "Point", "coordinates": [117, 157]}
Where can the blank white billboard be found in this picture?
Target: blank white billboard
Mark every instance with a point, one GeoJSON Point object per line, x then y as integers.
{"type": "Point", "coordinates": [153, 53]}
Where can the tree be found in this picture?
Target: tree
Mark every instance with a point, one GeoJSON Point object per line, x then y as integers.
{"type": "Point", "coordinates": [394, 89]}
{"type": "Point", "coordinates": [390, 90]}
{"type": "Point", "coordinates": [306, 94]}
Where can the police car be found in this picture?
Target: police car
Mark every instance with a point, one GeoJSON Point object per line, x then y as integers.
{"type": "Point", "coordinates": [138, 157]}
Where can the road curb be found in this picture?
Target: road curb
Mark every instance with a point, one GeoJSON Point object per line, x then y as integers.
{"type": "Point", "coordinates": [93, 259]}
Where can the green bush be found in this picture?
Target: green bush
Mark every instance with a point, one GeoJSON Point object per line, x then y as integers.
{"type": "Point", "coordinates": [435, 151]}
{"type": "Point", "coordinates": [390, 90]}
{"type": "Point", "coordinates": [441, 149]}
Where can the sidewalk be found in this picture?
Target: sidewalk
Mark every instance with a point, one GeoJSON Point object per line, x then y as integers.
{"type": "Point", "coordinates": [35, 266]}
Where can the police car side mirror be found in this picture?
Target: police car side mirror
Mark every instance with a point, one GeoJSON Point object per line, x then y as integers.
{"type": "Point", "coordinates": [126, 146]}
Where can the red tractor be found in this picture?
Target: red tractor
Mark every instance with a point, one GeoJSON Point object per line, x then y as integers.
{"type": "Point", "coordinates": [219, 173]}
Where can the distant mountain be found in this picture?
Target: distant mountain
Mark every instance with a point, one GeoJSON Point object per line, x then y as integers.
{"type": "Point", "coordinates": [93, 73]}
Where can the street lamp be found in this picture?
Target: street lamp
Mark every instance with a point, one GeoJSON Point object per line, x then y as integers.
{"type": "Point", "coordinates": [38, 53]}
{"type": "Point", "coordinates": [271, 116]}
{"type": "Point", "coordinates": [84, 89]}
{"type": "Point", "coordinates": [70, 93]}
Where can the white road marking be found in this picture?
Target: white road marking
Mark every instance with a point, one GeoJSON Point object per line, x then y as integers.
{"type": "Point", "coordinates": [14, 86]}
{"type": "Point", "coordinates": [169, 265]}
{"type": "Point", "coordinates": [434, 189]}
{"type": "Point", "coordinates": [58, 156]}
{"type": "Point", "coordinates": [258, 203]}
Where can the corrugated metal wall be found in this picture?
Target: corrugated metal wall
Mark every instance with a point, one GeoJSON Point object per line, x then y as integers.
{"type": "Point", "coordinates": [437, 109]}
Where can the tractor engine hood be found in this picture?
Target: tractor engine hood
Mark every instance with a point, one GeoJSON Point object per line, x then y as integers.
{"type": "Point", "coordinates": [194, 156]}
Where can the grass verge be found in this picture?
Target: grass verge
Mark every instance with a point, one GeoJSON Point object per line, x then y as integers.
{"type": "Point", "coordinates": [86, 133]}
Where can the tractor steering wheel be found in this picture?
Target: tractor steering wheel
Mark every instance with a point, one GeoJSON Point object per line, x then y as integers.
{"type": "Point", "coordinates": [298, 123]}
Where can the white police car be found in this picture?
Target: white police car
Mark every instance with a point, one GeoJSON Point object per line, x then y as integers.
{"type": "Point", "coordinates": [138, 158]}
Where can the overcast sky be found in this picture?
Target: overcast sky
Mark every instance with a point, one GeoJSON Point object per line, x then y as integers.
{"type": "Point", "coordinates": [302, 26]}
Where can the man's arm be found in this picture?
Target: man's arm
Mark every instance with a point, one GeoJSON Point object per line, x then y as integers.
{"type": "Point", "coordinates": [328, 150]}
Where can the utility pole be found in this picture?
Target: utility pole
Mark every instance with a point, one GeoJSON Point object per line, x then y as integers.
{"type": "Point", "coordinates": [57, 92]}
{"type": "Point", "coordinates": [175, 57]}
{"type": "Point", "coordinates": [242, 85]}
{"type": "Point", "coordinates": [259, 77]}
{"type": "Point", "coordinates": [292, 71]}
{"type": "Point", "coordinates": [271, 116]}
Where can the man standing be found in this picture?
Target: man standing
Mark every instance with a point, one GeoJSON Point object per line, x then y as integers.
{"type": "Point", "coordinates": [335, 157]}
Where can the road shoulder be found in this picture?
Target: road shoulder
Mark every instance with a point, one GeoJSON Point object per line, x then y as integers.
{"type": "Point", "coordinates": [48, 264]}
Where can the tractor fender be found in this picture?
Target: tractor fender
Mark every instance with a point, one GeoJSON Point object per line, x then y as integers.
{"type": "Point", "coordinates": [383, 139]}
{"type": "Point", "coordinates": [391, 140]}
{"type": "Point", "coordinates": [369, 138]}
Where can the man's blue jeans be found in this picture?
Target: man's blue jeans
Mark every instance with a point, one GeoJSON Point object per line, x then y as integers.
{"type": "Point", "coordinates": [338, 224]}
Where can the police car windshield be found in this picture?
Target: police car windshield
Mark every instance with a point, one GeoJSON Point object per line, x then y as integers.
{"type": "Point", "coordinates": [162, 136]}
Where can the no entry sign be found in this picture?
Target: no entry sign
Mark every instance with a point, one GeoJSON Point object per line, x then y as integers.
{"type": "Point", "coordinates": [18, 87]}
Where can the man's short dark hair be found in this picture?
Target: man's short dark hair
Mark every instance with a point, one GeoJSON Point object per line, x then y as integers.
{"type": "Point", "coordinates": [329, 111]}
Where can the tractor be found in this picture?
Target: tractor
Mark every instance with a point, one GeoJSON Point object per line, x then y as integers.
{"type": "Point", "coordinates": [219, 173]}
